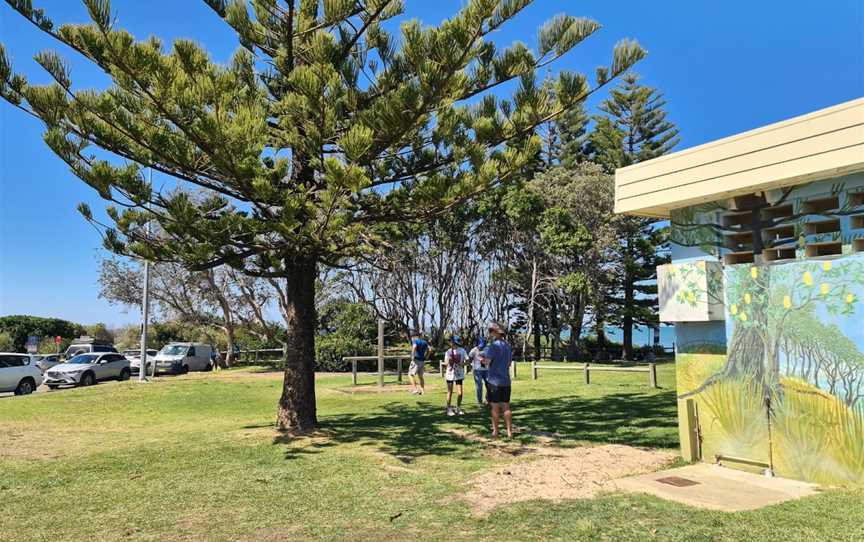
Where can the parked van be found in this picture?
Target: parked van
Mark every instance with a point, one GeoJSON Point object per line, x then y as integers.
{"type": "Point", "coordinates": [180, 358]}
{"type": "Point", "coordinates": [88, 345]}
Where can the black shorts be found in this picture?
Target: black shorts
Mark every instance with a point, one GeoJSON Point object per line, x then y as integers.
{"type": "Point", "coordinates": [497, 394]}
{"type": "Point", "coordinates": [457, 382]}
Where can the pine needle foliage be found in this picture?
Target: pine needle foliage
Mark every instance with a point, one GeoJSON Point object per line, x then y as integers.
{"type": "Point", "coordinates": [323, 132]}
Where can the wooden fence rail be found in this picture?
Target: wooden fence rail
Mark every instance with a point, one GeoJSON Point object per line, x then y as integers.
{"type": "Point", "coordinates": [587, 368]}
{"type": "Point", "coordinates": [355, 359]}
{"type": "Point", "coordinates": [254, 356]}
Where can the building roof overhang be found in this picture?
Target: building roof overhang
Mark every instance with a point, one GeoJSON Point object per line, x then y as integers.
{"type": "Point", "coordinates": [820, 145]}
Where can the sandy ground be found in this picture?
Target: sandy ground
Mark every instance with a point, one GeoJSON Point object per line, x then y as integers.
{"type": "Point", "coordinates": [554, 473]}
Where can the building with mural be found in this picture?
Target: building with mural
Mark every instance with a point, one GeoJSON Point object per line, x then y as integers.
{"type": "Point", "coordinates": [766, 291]}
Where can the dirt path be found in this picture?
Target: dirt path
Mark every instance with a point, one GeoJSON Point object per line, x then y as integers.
{"type": "Point", "coordinates": [554, 473]}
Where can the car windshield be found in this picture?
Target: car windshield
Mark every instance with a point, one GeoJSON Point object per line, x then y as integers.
{"type": "Point", "coordinates": [84, 358]}
{"type": "Point", "coordinates": [175, 350]}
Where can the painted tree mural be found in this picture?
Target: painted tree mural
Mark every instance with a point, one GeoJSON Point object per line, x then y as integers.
{"type": "Point", "coordinates": [789, 389]}
{"type": "Point", "coordinates": [766, 305]}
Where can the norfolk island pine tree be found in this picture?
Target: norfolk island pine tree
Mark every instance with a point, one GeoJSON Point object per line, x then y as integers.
{"type": "Point", "coordinates": [634, 128]}
{"type": "Point", "coordinates": [317, 138]}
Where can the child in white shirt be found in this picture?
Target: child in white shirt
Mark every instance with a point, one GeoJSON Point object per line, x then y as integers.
{"type": "Point", "coordinates": [454, 361]}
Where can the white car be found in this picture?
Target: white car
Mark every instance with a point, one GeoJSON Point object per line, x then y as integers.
{"type": "Point", "coordinates": [87, 369]}
{"type": "Point", "coordinates": [134, 357]}
{"type": "Point", "coordinates": [19, 374]}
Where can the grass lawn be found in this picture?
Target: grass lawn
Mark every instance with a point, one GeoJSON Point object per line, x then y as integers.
{"type": "Point", "coordinates": [196, 458]}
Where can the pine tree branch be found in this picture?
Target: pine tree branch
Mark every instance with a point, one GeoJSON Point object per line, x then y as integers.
{"type": "Point", "coordinates": [369, 21]}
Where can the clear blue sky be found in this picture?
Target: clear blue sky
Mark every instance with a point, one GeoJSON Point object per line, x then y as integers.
{"type": "Point", "coordinates": [725, 67]}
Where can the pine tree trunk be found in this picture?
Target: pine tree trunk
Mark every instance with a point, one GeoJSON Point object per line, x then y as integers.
{"type": "Point", "coordinates": [296, 412]}
{"type": "Point", "coordinates": [629, 287]}
{"type": "Point", "coordinates": [555, 331]}
{"type": "Point", "coordinates": [600, 326]}
{"type": "Point", "coordinates": [575, 348]}
{"type": "Point", "coordinates": [537, 341]}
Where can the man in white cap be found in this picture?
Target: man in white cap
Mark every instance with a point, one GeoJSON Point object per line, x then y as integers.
{"type": "Point", "coordinates": [497, 357]}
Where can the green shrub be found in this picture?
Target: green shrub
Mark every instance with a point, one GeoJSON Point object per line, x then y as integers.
{"type": "Point", "coordinates": [7, 344]}
{"type": "Point", "coordinates": [19, 327]}
{"type": "Point", "coordinates": [330, 349]}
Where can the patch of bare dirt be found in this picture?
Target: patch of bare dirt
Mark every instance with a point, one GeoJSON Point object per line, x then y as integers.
{"type": "Point", "coordinates": [559, 473]}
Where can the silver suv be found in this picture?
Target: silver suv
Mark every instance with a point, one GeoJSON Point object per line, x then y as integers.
{"type": "Point", "coordinates": [87, 369]}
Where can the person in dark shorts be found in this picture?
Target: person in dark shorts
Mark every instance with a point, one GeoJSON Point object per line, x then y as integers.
{"type": "Point", "coordinates": [454, 362]}
{"type": "Point", "coordinates": [419, 352]}
{"type": "Point", "coordinates": [497, 358]}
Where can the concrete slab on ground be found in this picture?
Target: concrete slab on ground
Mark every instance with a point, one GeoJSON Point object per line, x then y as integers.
{"type": "Point", "coordinates": [718, 488]}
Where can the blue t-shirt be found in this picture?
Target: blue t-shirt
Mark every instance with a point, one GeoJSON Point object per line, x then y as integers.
{"type": "Point", "coordinates": [420, 351]}
{"type": "Point", "coordinates": [501, 355]}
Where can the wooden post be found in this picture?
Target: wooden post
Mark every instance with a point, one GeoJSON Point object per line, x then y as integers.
{"type": "Point", "coordinates": [441, 366]}
{"type": "Point", "coordinates": [399, 370]}
{"type": "Point", "coordinates": [587, 373]}
{"type": "Point", "coordinates": [533, 370]}
{"type": "Point", "coordinates": [380, 353]}
{"type": "Point", "coordinates": [354, 372]}
{"type": "Point", "coordinates": [652, 375]}
{"type": "Point", "coordinates": [514, 369]}
{"type": "Point", "coordinates": [257, 352]}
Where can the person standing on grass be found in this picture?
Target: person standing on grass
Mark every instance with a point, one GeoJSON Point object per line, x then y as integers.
{"type": "Point", "coordinates": [454, 361]}
{"type": "Point", "coordinates": [497, 356]}
{"type": "Point", "coordinates": [419, 352]}
{"type": "Point", "coordinates": [480, 371]}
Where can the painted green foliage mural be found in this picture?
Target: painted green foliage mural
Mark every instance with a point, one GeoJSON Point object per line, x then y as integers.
{"type": "Point", "coordinates": [694, 227]}
{"type": "Point", "coordinates": [788, 219]}
{"type": "Point", "coordinates": [762, 301]}
{"type": "Point", "coordinates": [791, 389]}
{"type": "Point", "coordinates": [690, 291]}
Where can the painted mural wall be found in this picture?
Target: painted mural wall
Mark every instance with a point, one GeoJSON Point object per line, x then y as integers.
{"type": "Point", "coordinates": [790, 389]}
{"type": "Point", "coordinates": [690, 291]}
{"type": "Point", "coordinates": [786, 385]}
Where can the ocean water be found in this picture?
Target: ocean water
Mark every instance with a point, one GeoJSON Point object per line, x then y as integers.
{"type": "Point", "coordinates": [643, 335]}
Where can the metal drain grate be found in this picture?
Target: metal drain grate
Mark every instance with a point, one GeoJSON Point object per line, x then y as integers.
{"type": "Point", "coordinates": [677, 481]}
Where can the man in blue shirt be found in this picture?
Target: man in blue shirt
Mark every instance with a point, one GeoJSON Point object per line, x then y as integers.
{"type": "Point", "coordinates": [419, 351]}
{"type": "Point", "coordinates": [497, 357]}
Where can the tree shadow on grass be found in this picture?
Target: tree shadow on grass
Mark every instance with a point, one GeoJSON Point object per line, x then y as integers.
{"type": "Point", "coordinates": [409, 431]}
{"type": "Point", "coordinates": [263, 368]}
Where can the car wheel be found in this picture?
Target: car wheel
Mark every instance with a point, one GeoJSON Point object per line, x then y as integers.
{"type": "Point", "coordinates": [184, 370]}
{"type": "Point", "coordinates": [209, 367]}
{"type": "Point", "coordinates": [25, 387]}
{"type": "Point", "coordinates": [87, 380]}
{"type": "Point", "coordinates": [124, 374]}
